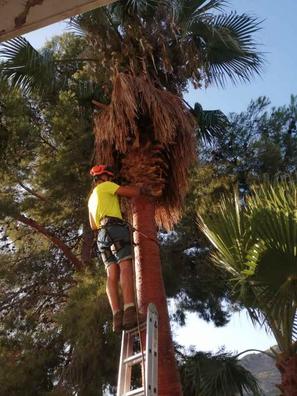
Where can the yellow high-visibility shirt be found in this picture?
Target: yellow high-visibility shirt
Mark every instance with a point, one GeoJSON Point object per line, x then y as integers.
{"type": "Point", "coordinates": [104, 202]}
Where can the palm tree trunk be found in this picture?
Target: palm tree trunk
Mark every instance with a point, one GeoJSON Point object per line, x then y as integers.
{"type": "Point", "coordinates": [150, 288]}
{"type": "Point", "coordinates": [288, 369]}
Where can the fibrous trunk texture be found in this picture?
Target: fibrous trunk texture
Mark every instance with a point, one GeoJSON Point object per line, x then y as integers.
{"type": "Point", "coordinates": [288, 369]}
{"type": "Point", "coordinates": [150, 289]}
{"type": "Point", "coordinates": [149, 134]}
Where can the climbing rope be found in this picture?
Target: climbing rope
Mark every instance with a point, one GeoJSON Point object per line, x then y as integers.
{"type": "Point", "coordinates": [132, 230]}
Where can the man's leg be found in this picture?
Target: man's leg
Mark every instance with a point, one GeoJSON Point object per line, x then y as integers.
{"type": "Point", "coordinates": [122, 242]}
{"type": "Point", "coordinates": [112, 291]}
{"type": "Point", "coordinates": [113, 277]}
{"type": "Point", "coordinates": [127, 286]}
{"type": "Point", "coordinates": [112, 287]}
{"type": "Point", "coordinates": [127, 282]}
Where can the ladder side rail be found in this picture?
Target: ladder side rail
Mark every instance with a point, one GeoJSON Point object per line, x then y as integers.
{"type": "Point", "coordinates": [127, 367]}
{"type": "Point", "coordinates": [121, 368]}
{"type": "Point", "coordinates": [123, 375]}
{"type": "Point", "coordinates": [155, 356]}
{"type": "Point", "coordinates": [149, 357]}
{"type": "Point", "coordinates": [151, 366]}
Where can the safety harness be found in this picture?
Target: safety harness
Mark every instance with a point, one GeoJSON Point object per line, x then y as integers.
{"type": "Point", "coordinates": [106, 252]}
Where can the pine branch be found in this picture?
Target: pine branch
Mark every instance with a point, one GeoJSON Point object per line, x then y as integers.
{"type": "Point", "coordinates": [78, 265]}
{"type": "Point", "coordinates": [34, 193]}
{"type": "Point", "coordinates": [9, 301]}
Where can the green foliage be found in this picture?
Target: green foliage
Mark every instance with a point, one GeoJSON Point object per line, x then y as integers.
{"type": "Point", "coordinates": [55, 330]}
{"type": "Point", "coordinates": [45, 159]}
{"type": "Point", "coordinates": [39, 69]}
{"type": "Point", "coordinates": [256, 244]}
{"type": "Point", "coordinates": [189, 277]}
{"type": "Point", "coordinates": [221, 374]}
{"type": "Point", "coordinates": [27, 366]}
{"type": "Point", "coordinates": [133, 36]}
{"type": "Point", "coordinates": [33, 287]}
{"type": "Point", "coordinates": [86, 325]}
{"type": "Point", "coordinates": [258, 142]}
{"type": "Point", "coordinates": [25, 67]}
{"type": "Point", "coordinates": [210, 123]}
{"type": "Point", "coordinates": [138, 32]}
{"type": "Point", "coordinates": [17, 129]}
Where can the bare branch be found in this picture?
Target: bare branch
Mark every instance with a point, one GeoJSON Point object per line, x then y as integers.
{"type": "Point", "coordinates": [29, 190]}
{"type": "Point", "coordinates": [78, 265]}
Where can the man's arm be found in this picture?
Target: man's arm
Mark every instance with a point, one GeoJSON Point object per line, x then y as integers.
{"type": "Point", "coordinates": [128, 191]}
{"type": "Point", "coordinates": [92, 222]}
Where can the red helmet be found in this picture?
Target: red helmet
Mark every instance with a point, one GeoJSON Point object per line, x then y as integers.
{"type": "Point", "coordinates": [101, 170]}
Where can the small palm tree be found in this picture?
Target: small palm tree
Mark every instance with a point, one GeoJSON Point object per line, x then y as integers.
{"type": "Point", "coordinates": [221, 374]}
{"type": "Point", "coordinates": [256, 243]}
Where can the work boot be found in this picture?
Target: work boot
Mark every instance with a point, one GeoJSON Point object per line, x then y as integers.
{"type": "Point", "coordinates": [130, 318]}
{"type": "Point", "coordinates": [117, 325]}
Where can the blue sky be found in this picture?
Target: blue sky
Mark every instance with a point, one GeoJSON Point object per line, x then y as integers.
{"type": "Point", "coordinates": [278, 81]}
{"type": "Point", "coordinates": [278, 41]}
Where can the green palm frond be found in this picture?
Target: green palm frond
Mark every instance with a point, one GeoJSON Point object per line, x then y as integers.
{"type": "Point", "coordinates": [229, 47]}
{"type": "Point", "coordinates": [136, 8]}
{"type": "Point", "coordinates": [273, 217]}
{"type": "Point", "coordinates": [189, 10]}
{"type": "Point", "coordinates": [257, 243]}
{"type": "Point", "coordinates": [96, 20]}
{"type": "Point", "coordinates": [274, 311]}
{"type": "Point", "coordinates": [228, 232]}
{"type": "Point", "coordinates": [25, 67]}
{"type": "Point", "coordinates": [211, 123]}
{"type": "Point", "coordinates": [218, 375]}
{"type": "Point", "coordinates": [228, 378]}
{"type": "Point", "coordinates": [139, 5]}
{"type": "Point", "coordinates": [280, 198]}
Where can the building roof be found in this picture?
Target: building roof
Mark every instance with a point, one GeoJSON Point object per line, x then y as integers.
{"type": "Point", "coordinates": [22, 16]}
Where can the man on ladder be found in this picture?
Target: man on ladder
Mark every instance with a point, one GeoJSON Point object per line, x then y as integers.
{"type": "Point", "coordinates": [114, 243]}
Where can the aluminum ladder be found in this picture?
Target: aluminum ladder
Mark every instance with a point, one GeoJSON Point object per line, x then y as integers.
{"type": "Point", "coordinates": [149, 357]}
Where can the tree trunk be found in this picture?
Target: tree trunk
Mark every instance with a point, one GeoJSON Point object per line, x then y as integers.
{"type": "Point", "coordinates": [150, 288]}
{"type": "Point", "coordinates": [288, 369]}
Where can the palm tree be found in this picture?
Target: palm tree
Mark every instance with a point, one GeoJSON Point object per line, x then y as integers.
{"type": "Point", "coordinates": [143, 54]}
{"type": "Point", "coordinates": [256, 244]}
{"type": "Point", "coordinates": [221, 374]}
{"type": "Point", "coordinates": [148, 127]}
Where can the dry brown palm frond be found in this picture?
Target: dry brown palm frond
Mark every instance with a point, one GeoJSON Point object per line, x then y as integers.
{"type": "Point", "coordinates": [153, 133]}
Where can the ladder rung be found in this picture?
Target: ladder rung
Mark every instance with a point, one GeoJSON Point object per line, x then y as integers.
{"type": "Point", "coordinates": [134, 359]}
{"type": "Point", "coordinates": [136, 329]}
{"type": "Point", "coordinates": [133, 353]}
{"type": "Point", "coordinates": [136, 392]}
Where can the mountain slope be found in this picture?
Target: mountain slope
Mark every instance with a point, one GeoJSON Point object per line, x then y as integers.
{"type": "Point", "coordinates": [263, 368]}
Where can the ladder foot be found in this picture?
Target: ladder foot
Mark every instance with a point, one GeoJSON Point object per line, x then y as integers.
{"type": "Point", "coordinates": [147, 357]}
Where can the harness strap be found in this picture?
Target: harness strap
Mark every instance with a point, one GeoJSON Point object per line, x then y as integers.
{"type": "Point", "coordinates": [105, 254]}
{"type": "Point", "coordinates": [107, 220]}
{"type": "Point", "coordinates": [118, 245]}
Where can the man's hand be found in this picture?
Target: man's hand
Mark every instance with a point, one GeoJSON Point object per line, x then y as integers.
{"type": "Point", "coordinates": [134, 191]}
{"type": "Point", "coordinates": [128, 191]}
